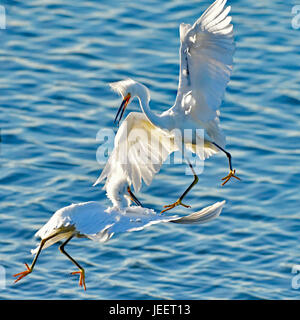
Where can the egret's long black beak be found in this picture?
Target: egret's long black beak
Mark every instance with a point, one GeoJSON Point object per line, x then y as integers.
{"type": "Point", "coordinates": [122, 108]}
{"type": "Point", "coordinates": [134, 198]}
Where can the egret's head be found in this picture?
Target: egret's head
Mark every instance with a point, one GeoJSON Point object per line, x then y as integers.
{"type": "Point", "coordinates": [129, 89]}
{"type": "Point", "coordinates": [118, 191]}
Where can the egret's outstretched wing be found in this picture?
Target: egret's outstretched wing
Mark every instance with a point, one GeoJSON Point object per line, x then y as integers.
{"type": "Point", "coordinates": [206, 56]}
{"type": "Point", "coordinates": [140, 148]}
{"type": "Point", "coordinates": [92, 220]}
{"type": "Point", "coordinates": [138, 218]}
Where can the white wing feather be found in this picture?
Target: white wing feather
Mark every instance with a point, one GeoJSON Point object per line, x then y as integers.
{"type": "Point", "coordinates": [206, 55]}
{"type": "Point", "coordinates": [138, 218]}
{"type": "Point", "coordinates": [205, 215]}
{"type": "Point", "coordinates": [92, 220]}
{"type": "Point", "coordinates": [140, 149]}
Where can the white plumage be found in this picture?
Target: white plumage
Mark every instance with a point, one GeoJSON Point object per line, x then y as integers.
{"type": "Point", "coordinates": [145, 140]}
{"type": "Point", "coordinates": [140, 148]}
{"type": "Point", "coordinates": [206, 62]}
{"type": "Point", "coordinates": [92, 220]}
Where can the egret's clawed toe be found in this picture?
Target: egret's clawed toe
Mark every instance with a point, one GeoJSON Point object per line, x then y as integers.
{"type": "Point", "coordinates": [228, 177]}
{"type": "Point", "coordinates": [81, 278]}
{"type": "Point", "coordinates": [23, 274]}
{"type": "Point", "coordinates": [173, 205]}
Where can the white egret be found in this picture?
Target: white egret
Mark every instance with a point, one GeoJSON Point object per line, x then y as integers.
{"type": "Point", "coordinates": [92, 220]}
{"type": "Point", "coordinates": [206, 58]}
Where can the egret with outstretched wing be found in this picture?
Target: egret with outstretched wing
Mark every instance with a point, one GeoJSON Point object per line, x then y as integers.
{"type": "Point", "coordinates": [92, 220]}
{"type": "Point", "coordinates": [206, 58]}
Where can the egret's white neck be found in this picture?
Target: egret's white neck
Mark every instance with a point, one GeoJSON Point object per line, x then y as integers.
{"type": "Point", "coordinates": [144, 99]}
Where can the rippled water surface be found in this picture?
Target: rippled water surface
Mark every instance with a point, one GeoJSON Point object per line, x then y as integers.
{"type": "Point", "coordinates": [57, 58]}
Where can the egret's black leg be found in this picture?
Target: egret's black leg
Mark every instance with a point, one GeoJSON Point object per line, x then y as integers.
{"type": "Point", "coordinates": [178, 202]}
{"type": "Point", "coordinates": [81, 270]}
{"type": "Point", "coordinates": [231, 172]}
{"type": "Point", "coordinates": [22, 274]}
{"type": "Point", "coordinates": [228, 155]}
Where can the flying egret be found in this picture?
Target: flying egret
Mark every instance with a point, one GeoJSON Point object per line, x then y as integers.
{"type": "Point", "coordinates": [92, 220]}
{"type": "Point", "coordinates": [206, 58]}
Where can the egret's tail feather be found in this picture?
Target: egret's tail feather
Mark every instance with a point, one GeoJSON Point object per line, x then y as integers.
{"type": "Point", "coordinates": [204, 215]}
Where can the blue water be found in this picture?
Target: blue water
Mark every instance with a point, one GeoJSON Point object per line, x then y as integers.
{"type": "Point", "coordinates": [57, 58]}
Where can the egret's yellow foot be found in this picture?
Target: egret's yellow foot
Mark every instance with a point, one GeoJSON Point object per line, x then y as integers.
{"type": "Point", "coordinates": [173, 205]}
{"type": "Point", "coordinates": [81, 278]}
{"type": "Point", "coordinates": [22, 274]}
{"type": "Point", "coordinates": [227, 178]}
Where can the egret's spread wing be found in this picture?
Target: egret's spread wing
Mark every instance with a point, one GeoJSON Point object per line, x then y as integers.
{"type": "Point", "coordinates": [205, 215]}
{"type": "Point", "coordinates": [140, 149]}
{"type": "Point", "coordinates": [89, 217]}
{"type": "Point", "coordinates": [206, 56]}
{"type": "Point", "coordinates": [138, 218]}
